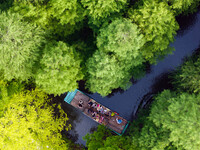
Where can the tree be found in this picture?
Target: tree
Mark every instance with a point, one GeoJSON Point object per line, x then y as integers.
{"type": "Point", "coordinates": [180, 115]}
{"type": "Point", "coordinates": [117, 57]}
{"type": "Point", "coordinates": [187, 77]}
{"type": "Point", "coordinates": [19, 46]}
{"type": "Point", "coordinates": [106, 72]}
{"type": "Point", "coordinates": [60, 69]}
{"type": "Point", "coordinates": [123, 39]}
{"type": "Point", "coordinates": [95, 140]}
{"type": "Point", "coordinates": [158, 25]}
{"type": "Point", "coordinates": [100, 11]}
{"type": "Point", "coordinates": [183, 6]}
{"type": "Point", "coordinates": [29, 123]}
{"type": "Point", "coordinates": [60, 17]}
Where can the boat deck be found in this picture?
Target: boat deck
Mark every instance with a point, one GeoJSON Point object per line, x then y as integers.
{"type": "Point", "coordinates": [98, 112]}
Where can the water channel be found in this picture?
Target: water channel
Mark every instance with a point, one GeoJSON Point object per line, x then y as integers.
{"type": "Point", "coordinates": [126, 102]}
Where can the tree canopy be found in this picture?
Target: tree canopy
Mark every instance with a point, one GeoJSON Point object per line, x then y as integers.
{"type": "Point", "coordinates": [188, 76]}
{"type": "Point", "coordinates": [180, 115]}
{"type": "Point", "coordinates": [19, 46]}
{"type": "Point", "coordinates": [29, 123]}
{"type": "Point", "coordinates": [118, 53]}
{"type": "Point", "coordinates": [59, 70]}
{"type": "Point", "coordinates": [183, 6]}
{"type": "Point", "coordinates": [99, 11]}
{"type": "Point", "coordinates": [158, 25]}
{"type": "Point", "coordinates": [57, 16]}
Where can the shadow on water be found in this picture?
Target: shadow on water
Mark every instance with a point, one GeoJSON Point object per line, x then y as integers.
{"type": "Point", "coordinates": [186, 22]}
{"type": "Point", "coordinates": [72, 114]}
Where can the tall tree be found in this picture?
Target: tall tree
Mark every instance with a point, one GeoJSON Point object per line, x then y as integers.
{"type": "Point", "coordinates": [106, 72]}
{"type": "Point", "coordinates": [123, 39]}
{"type": "Point", "coordinates": [19, 46]}
{"type": "Point", "coordinates": [157, 23]}
{"type": "Point", "coordinates": [29, 123]}
{"type": "Point", "coordinates": [180, 115]}
{"type": "Point", "coordinates": [118, 55]}
{"type": "Point", "coordinates": [100, 11]}
{"type": "Point", "coordinates": [60, 17]}
{"type": "Point", "coordinates": [60, 69]}
{"type": "Point", "coordinates": [187, 77]}
{"type": "Point", "coordinates": [183, 6]}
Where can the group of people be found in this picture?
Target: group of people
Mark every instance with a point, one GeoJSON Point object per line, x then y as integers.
{"type": "Point", "coordinates": [98, 112]}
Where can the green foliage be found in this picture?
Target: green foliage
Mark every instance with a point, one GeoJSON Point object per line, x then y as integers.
{"type": "Point", "coordinates": [188, 76]}
{"type": "Point", "coordinates": [112, 64]}
{"type": "Point", "coordinates": [60, 69]}
{"type": "Point", "coordinates": [19, 46]}
{"type": "Point", "coordinates": [150, 137]}
{"type": "Point", "coordinates": [66, 11]}
{"type": "Point", "coordinates": [103, 140]}
{"type": "Point", "coordinates": [123, 39]}
{"type": "Point", "coordinates": [183, 6]}
{"type": "Point", "coordinates": [100, 11]}
{"type": "Point", "coordinates": [180, 115]}
{"type": "Point", "coordinates": [60, 17]}
{"type": "Point", "coordinates": [28, 123]}
{"type": "Point", "coordinates": [158, 24]}
{"type": "Point", "coordinates": [95, 140]}
{"type": "Point", "coordinates": [105, 73]}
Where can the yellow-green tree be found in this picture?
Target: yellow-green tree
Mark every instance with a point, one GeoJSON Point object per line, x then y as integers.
{"type": "Point", "coordinates": [28, 122]}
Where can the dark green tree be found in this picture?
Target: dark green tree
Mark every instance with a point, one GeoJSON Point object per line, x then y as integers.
{"type": "Point", "coordinates": [158, 25]}
{"type": "Point", "coordinates": [19, 46]}
{"type": "Point", "coordinates": [187, 77]}
{"type": "Point", "coordinates": [178, 114]}
{"type": "Point", "coordinates": [60, 69]}
{"type": "Point", "coordinates": [95, 140]}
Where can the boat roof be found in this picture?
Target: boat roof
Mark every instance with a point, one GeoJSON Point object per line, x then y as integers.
{"type": "Point", "coordinates": [96, 111]}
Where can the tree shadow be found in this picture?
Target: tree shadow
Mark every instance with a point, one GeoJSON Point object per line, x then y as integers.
{"type": "Point", "coordinates": [186, 22]}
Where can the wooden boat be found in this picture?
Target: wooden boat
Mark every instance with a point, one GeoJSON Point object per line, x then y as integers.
{"type": "Point", "coordinates": [96, 111]}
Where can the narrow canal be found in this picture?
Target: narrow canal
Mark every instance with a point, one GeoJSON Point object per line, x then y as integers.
{"type": "Point", "coordinates": [127, 102]}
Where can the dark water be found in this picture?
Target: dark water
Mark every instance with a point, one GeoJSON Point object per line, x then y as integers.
{"type": "Point", "coordinates": [126, 102]}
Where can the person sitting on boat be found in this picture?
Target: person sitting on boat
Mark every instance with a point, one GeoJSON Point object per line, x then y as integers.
{"type": "Point", "coordinates": [90, 110]}
{"type": "Point", "coordinates": [94, 105]}
{"type": "Point", "coordinates": [90, 104]}
{"type": "Point", "coordinates": [119, 121]}
{"type": "Point", "coordinates": [94, 114]}
{"type": "Point", "coordinates": [80, 105]}
{"type": "Point", "coordinates": [101, 119]}
{"type": "Point", "coordinates": [97, 118]}
{"type": "Point", "coordinates": [80, 102]}
{"type": "Point", "coordinates": [100, 108]}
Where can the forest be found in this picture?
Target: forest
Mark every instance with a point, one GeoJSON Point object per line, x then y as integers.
{"type": "Point", "coordinates": [48, 46]}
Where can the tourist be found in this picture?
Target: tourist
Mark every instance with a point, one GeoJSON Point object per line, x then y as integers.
{"type": "Point", "coordinates": [119, 121]}
{"type": "Point", "coordinates": [80, 106]}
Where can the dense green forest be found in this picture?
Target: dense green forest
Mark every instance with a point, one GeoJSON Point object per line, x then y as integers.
{"type": "Point", "coordinates": [48, 46]}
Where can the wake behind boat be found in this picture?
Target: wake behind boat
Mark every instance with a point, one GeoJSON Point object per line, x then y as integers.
{"type": "Point", "coordinates": [97, 112]}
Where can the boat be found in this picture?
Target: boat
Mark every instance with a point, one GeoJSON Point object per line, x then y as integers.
{"type": "Point", "coordinates": [97, 112]}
